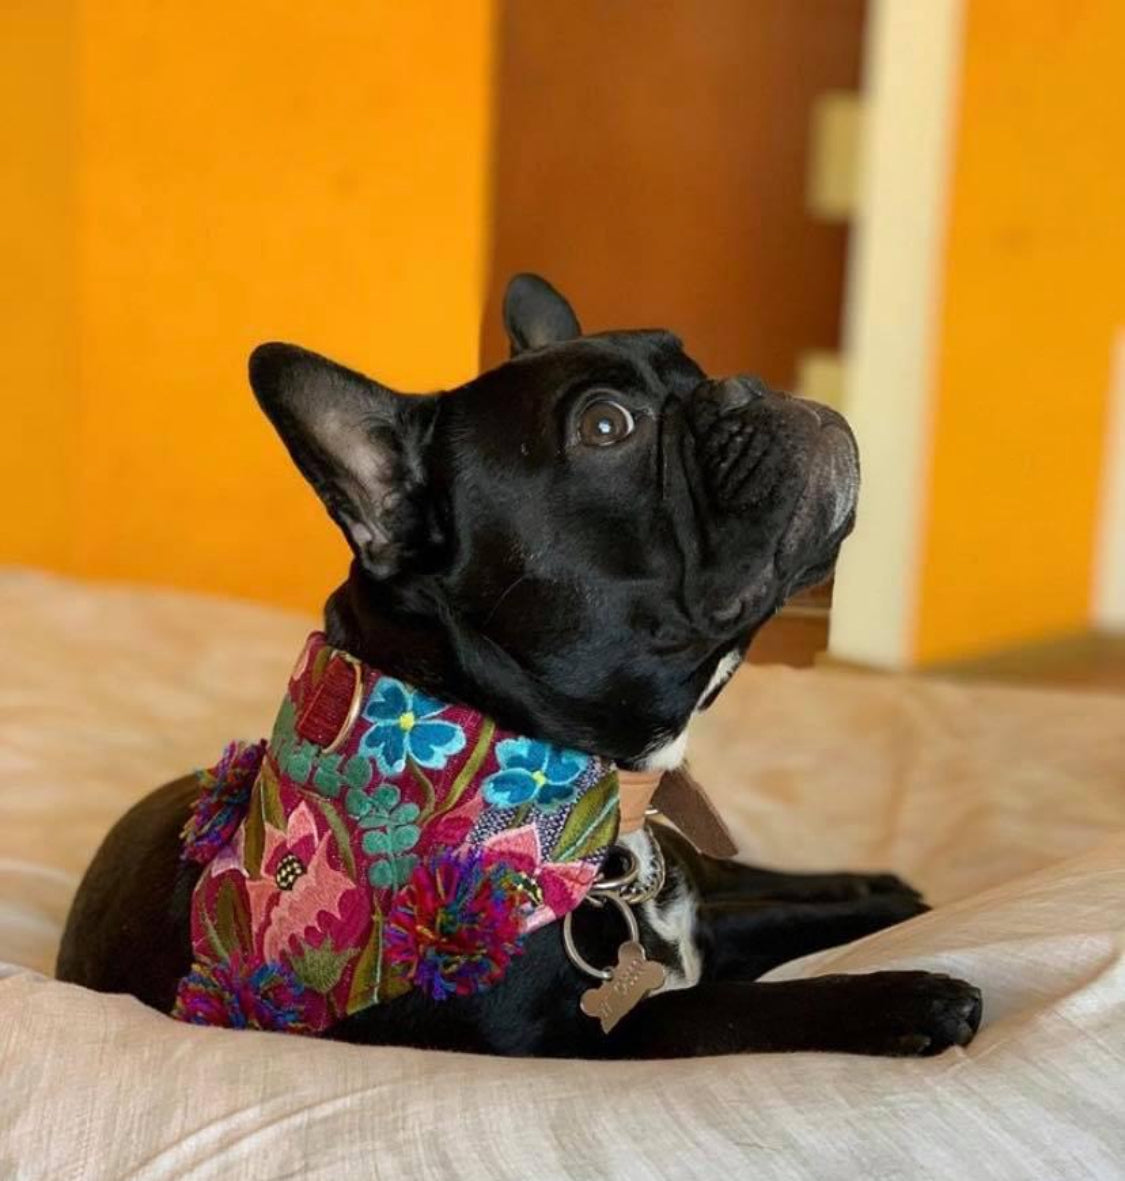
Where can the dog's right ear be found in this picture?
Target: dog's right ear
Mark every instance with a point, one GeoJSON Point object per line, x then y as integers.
{"type": "Point", "coordinates": [535, 314]}
{"type": "Point", "coordinates": [360, 445]}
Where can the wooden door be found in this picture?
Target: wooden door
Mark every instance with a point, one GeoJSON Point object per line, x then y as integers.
{"type": "Point", "coordinates": [652, 162]}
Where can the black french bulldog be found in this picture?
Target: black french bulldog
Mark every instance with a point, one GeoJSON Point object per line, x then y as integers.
{"type": "Point", "coordinates": [580, 543]}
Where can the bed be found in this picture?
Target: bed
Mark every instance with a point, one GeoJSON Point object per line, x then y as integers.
{"type": "Point", "coordinates": [1006, 806]}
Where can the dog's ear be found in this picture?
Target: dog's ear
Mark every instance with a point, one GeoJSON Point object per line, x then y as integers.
{"type": "Point", "coordinates": [360, 445]}
{"type": "Point", "coordinates": [535, 314]}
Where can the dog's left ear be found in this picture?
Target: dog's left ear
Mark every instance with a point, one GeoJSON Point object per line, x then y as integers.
{"type": "Point", "coordinates": [535, 314]}
{"type": "Point", "coordinates": [360, 445]}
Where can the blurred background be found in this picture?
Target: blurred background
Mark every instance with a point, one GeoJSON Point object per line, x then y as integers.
{"type": "Point", "coordinates": [912, 209]}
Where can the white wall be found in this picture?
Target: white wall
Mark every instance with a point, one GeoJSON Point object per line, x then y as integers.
{"type": "Point", "coordinates": [893, 302]}
{"type": "Point", "coordinates": [1109, 574]}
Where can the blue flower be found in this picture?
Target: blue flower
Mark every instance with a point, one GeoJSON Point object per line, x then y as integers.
{"type": "Point", "coordinates": [406, 723]}
{"type": "Point", "coordinates": [531, 770]}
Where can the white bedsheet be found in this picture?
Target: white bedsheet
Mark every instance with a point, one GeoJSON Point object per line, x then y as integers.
{"type": "Point", "coordinates": [1006, 806]}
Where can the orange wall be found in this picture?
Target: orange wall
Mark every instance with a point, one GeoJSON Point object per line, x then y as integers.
{"type": "Point", "coordinates": [1034, 291]}
{"type": "Point", "coordinates": [38, 324]}
{"type": "Point", "coordinates": [246, 172]}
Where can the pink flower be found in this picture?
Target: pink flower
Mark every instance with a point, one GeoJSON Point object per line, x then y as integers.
{"type": "Point", "coordinates": [299, 891]}
{"type": "Point", "coordinates": [517, 847]}
{"type": "Point", "coordinates": [562, 884]}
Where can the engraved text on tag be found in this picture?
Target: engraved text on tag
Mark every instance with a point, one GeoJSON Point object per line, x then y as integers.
{"type": "Point", "coordinates": [631, 980]}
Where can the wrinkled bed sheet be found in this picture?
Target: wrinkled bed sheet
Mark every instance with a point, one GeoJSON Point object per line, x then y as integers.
{"type": "Point", "coordinates": [1006, 806]}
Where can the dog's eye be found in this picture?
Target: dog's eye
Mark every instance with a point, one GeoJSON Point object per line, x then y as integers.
{"type": "Point", "coordinates": [604, 423]}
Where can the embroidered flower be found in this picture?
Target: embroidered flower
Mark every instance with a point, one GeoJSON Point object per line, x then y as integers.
{"type": "Point", "coordinates": [268, 997]}
{"type": "Point", "coordinates": [552, 888]}
{"type": "Point", "coordinates": [406, 722]}
{"type": "Point", "coordinates": [299, 892]}
{"type": "Point", "coordinates": [457, 924]}
{"type": "Point", "coordinates": [532, 770]}
{"type": "Point", "coordinates": [223, 798]}
{"type": "Point", "coordinates": [390, 833]}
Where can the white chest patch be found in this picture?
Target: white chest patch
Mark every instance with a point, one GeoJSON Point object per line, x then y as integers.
{"type": "Point", "coordinates": [670, 754]}
{"type": "Point", "coordinates": [723, 673]}
{"type": "Point", "coordinates": [671, 915]}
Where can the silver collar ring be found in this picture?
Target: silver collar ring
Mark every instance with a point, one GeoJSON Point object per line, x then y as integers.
{"type": "Point", "coordinates": [568, 935]}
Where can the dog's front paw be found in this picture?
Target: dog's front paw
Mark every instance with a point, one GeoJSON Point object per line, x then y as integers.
{"type": "Point", "coordinates": [924, 1013]}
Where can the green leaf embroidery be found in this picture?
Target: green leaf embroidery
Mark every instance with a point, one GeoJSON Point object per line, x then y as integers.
{"type": "Point", "coordinates": [320, 660]}
{"type": "Point", "coordinates": [327, 778]}
{"type": "Point", "coordinates": [358, 803]}
{"type": "Point", "coordinates": [298, 763]}
{"type": "Point", "coordinates": [368, 970]}
{"type": "Point", "coordinates": [358, 772]}
{"type": "Point", "coordinates": [320, 968]}
{"type": "Point", "coordinates": [340, 832]}
{"type": "Point", "coordinates": [283, 727]}
{"type": "Point", "coordinates": [272, 811]}
{"type": "Point", "coordinates": [231, 920]}
{"type": "Point", "coordinates": [423, 782]}
{"type": "Point", "coordinates": [254, 840]}
{"type": "Point", "coordinates": [591, 823]}
{"type": "Point", "coordinates": [376, 842]}
{"type": "Point", "coordinates": [392, 871]}
{"type": "Point", "coordinates": [382, 875]}
{"type": "Point", "coordinates": [330, 779]}
{"type": "Point", "coordinates": [386, 797]}
{"type": "Point", "coordinates": [405, 837]}
{"type": "Point", "coordinates": [213, 937]}
{"type": "Point", "coordinates": [471, 767]}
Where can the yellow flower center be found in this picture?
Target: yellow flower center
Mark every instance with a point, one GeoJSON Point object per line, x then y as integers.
{"type": "Point", "coordinates": [406, 721]}
{"type": "Point", "coordinates": [539, 778]}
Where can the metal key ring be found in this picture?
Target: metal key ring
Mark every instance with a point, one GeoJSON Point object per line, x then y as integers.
{"type": "Point", "coordinates": [608, 886]}
{"type": "Point", "coordinates": [572, 952]}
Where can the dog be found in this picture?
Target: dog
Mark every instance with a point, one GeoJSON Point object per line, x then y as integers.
{"type": "Point", "coordinates": [581, 544]}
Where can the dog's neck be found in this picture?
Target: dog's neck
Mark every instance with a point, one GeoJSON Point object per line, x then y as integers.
{"type": "Point", "coordinates": [405, 648]}
{"type": "Point", "coordinates": [415, 654]}
{"type": "Point", "coordinates": [426, 644]}
{"type": "Point", "coordinates": [411, 650]}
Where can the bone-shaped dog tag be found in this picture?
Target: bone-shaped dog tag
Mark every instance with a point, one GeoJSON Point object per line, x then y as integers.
{"type": "Point", "coordinates": [630, 981]}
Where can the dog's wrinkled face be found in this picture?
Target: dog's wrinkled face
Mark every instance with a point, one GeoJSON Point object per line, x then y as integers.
{"type": "Point", "coordinates": [598, 528]}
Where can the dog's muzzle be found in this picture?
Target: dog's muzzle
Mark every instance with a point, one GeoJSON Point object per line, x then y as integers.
{"type": "Point", "coordinates": [781, 475]}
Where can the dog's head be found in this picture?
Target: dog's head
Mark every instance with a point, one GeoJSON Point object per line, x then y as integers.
{"type": "Point", "coordinates": [595, 528]}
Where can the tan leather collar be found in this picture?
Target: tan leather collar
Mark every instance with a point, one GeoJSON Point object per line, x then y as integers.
{"type": "Point", "coordinates": [678, 796]}
{"type": "Point", "coordinates": [636, 789]}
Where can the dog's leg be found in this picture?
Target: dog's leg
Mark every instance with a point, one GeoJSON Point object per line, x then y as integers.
{"type": "Point", "coordinates": [727, 881]}
{"type": "Point", "coordinates": [889, 1013]}
{"type": "Point", "coordinates": [741, 940]}
{"type": "Point", "coordinates": [731, 881]}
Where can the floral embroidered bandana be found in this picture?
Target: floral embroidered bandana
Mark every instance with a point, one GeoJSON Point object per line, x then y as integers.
{"type": "Point", "coordinates": [381, 841]}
